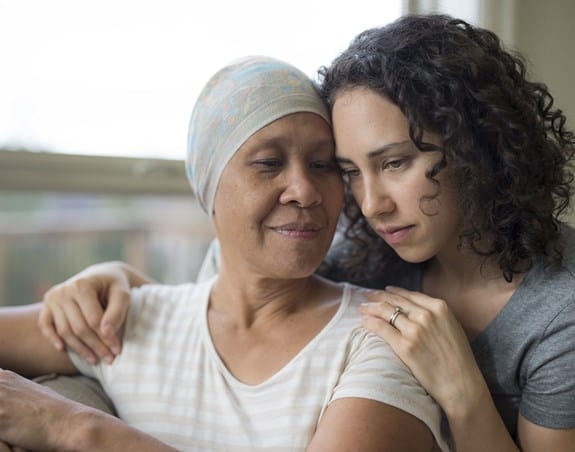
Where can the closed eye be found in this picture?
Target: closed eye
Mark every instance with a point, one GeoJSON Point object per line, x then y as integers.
{"type": "Point", "coordinates": [268, 163]}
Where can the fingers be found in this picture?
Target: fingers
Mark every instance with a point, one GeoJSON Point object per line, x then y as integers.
{"type": "Point", "coordinates": [383, 306]}
{"type": "Point", "coordinates": [380, 326]}
{"type": "Point", "coordinates": [72, 313]}
{"type": "Point", "coordinates": [419, 299]}
{"type": "Point", "coordinates": [81, 329]}
{"type": "Point", "coordinates": [46, 325]}
{"type": "Point", "coordinates": [71, 337]}
{"type": "Point", "coordinates": [114, 317]}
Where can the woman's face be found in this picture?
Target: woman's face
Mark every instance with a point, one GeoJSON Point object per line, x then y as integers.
{"type": "Point", "coordinates": [279, 199]}
{"type": "Point", "coordinates": [387, 176]}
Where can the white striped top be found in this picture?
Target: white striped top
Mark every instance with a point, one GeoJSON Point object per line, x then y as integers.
{"type": "Point", "coordinates": [170, 382]}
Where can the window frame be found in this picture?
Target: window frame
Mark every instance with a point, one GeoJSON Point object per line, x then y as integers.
{"type": "Point", "coordinates": [48, 171]}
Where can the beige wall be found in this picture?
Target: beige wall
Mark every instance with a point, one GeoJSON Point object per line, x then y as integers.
{"type": "Point", "coordinates": [542, 30]}
{"type": "Point", "coordinates": [545, 34]}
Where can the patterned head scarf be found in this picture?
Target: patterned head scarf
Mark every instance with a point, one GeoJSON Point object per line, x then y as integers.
{"type": "Point", "coordinates": [237, 101]}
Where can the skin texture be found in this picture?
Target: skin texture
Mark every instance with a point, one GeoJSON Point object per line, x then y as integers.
{"type": "Point", "coordinates": [280, 195]}
{"type": "Point", "coordinates": [387, 176]}
{"type": "Point", "coordinates": [431, 335]}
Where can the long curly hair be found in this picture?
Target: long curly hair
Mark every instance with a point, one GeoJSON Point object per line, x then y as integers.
{"type": "Point", "coordinates": [507, 146]}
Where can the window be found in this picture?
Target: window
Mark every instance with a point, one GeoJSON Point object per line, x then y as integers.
{"type": "Point", "coordinates": [119, 77]}
{"type": "Point", "coordinates": [93, 120]}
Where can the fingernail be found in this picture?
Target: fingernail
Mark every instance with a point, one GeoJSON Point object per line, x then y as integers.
{"type": "Point", "coordinates": [108, 359]}
{"type": "Point", "coordinates": [91, 359]}
{"type": "Point", "coordinates": [57, 345]}
{"type": "Point", "coordinates": [116, 349]}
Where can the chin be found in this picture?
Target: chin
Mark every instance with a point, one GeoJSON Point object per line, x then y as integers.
{"type": "Point", "coordinates": [296, 269]}
{"type": "Point", "coordinates": [414, 256]}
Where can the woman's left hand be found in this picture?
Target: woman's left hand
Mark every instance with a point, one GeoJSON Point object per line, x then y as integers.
{"type": "Point", "coordinates": [430, 341]}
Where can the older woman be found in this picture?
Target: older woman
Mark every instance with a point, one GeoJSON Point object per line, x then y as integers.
{"type": "Point", "coordinates": [263, 356]}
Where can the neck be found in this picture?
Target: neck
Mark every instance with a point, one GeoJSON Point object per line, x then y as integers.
{"type": "Point", "coordinates": [249, 299]}
{"type": "Point", "coordinates": [464, 266]}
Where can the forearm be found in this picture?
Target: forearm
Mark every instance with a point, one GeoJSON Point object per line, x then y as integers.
{"type": "Point", "coordinates": [23, 349]}
{"type": "Point", "coordinates": [35, 417]}
{"type": "Point", "coordinates": [476, 425]}
{"type": "Point", "coordinates": [95, 431]}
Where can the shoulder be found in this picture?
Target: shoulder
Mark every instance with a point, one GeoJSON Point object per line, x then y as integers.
{"type": "Point", "coordinates": [159, 303]}
{"type": "Point", "coordinates": [554, 285]}
{"type": "Point", "coordinates": [373, 371]}
{"type": "Point", "coordinates": [169, 294]}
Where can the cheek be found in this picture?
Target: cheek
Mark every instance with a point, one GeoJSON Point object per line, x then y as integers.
{"type": "Point", "coordinates": [335, 193]}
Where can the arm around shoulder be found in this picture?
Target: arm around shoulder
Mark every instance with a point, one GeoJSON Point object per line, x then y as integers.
{"type": "Point", "coordinates": [23, 349]}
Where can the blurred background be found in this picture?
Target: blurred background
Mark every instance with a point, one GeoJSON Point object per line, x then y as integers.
{"type": "Point", "coordinates": [95, 99]}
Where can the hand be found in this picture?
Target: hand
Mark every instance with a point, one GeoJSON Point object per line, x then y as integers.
{"type": "Point", "coordinates": [32, 416]}
{"type": "Point", "coordinates": [430, 341]}
{"type": "Point", "coordinates": [88, 310]}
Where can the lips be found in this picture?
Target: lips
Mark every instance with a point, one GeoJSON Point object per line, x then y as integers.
{"type": "Point", "coordinates": [395, 234]}
{"type": "Point", "coordinates": [300, 230]}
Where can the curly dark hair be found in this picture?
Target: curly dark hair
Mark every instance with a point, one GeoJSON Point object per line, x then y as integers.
{"type": "Point", "coordinates": [507, 146]}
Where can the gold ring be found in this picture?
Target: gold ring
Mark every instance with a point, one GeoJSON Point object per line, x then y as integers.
{"type": "Point", "coordinates": [394, 316]}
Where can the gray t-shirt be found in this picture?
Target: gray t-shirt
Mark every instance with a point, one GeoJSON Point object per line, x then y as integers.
{"type": "Point", "coordinates": [527, 352]}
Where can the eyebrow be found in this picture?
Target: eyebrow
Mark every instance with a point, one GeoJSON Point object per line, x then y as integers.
{"type": "Point", "coordinates": [376, 152]}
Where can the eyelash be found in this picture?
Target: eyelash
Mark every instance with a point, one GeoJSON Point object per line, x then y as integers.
{"type": "Point", "coordinates": [269, 164]}
{"type": "Point", "coordinates": [394, 164]}
{"type": "Point", "coordinates": [273, 164]}
{"type": "Point", "coordinates": [391, 165]}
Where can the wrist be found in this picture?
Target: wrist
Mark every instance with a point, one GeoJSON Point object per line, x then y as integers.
{"type": "Point", "coordinates": [475, 425]}
{"type": "Point", "coordinates": [467, 399]}
{"type": "Point", "coordinates": [82, 431]}
{"type": "Point", "coordinates": [96, 431]}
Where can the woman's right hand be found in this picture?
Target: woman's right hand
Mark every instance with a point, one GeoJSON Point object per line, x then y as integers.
{"type": "Point", "coordinates": [87, 311]}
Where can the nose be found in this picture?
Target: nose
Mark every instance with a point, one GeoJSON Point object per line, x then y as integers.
{"type": "Point", "coordinates": [301, 188]}
{"type": "Point", "coordinates": [375, 201]}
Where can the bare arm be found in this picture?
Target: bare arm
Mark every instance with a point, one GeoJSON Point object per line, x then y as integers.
{"type": "Point", "coordinates": [23, 349]}
{"type": "Point", "coordinates": [534, 438]}
{"type": "Point", "coordinates": [36, 418]}
{"type": "Point", "coordinates": [352, 424]}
